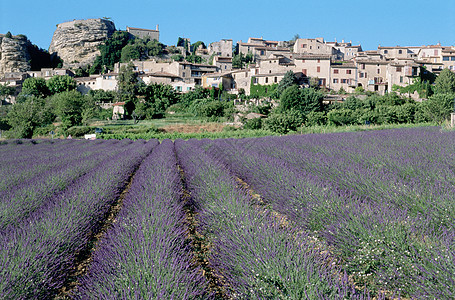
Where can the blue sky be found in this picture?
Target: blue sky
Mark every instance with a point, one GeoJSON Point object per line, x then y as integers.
{"type": "Point", "coordinates": [370, 23]}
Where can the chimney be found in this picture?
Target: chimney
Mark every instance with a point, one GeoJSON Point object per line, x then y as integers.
{"type": "Point", "coordinates": [157, 27]}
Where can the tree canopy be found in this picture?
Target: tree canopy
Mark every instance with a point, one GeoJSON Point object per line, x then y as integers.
{"type": "Point", "coordinates": [445, 82]}
{"type": "Point", "coordinates": [58, 83]}
{"type": "Point", "coordinates": [303, 100]}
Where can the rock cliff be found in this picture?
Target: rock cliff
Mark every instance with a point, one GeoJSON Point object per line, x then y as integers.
{"type": "Point", "coordinates": [14, 54]}
{"type": "Point", "coordinates": [76, 42]}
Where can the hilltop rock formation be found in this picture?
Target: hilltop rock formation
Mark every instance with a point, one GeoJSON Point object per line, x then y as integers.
{"type": "Point", "coordinates": [14, 54]}
{"type": "Point", "coordinates": [76, 42]}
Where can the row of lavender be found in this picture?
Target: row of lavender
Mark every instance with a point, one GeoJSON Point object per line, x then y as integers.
{"type": "Point", "coordinates": [146, 255]}
{"type": "Point", "coordinates": [253, 254]}
{"type": "Point", "coordinates": [382, 202]}
{"type": "Point", "coordinates": [46, 171]}
{"type": "Point", "coordinates": [37, 253]}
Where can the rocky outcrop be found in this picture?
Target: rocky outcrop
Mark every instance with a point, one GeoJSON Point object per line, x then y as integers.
{"type": "Point", "coordinates": [14, 54]}
{"type": "Point", "coordinates": [76, 42]}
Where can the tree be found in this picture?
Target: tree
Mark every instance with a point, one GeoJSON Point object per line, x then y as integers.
{"type": "Point", "coordinates": [239, 60]}
{"type": "Point", "coordinates": [24, 117]}
{"type": "Point", "coordinates": [302, 100]}
{"type": "Point", "coordinates": [35, 86]}
{"type": "Point", "coordinates": [9, 35]}
{"type": "Point", "coordinates": [196, 45]}
{"type": "Point", "coordinates": [157, 98]}
{"type": "Point", "coordinates": [445, 82]}
{"type": "Point", "coordinates": [68, 106]}
{"type": "Point", "coordinates": [288, 80]}
{"type": "Point", "coordinates": [5, 91]}
{"type": "Point", "coordinates": [110, 51]}
{"type": "Point", "coordinates": [155, 48]}
{"type": "Point", "coordinates": [130, 52]}
{"type": "Point", "coordinates": [437, 108]}
{"type": "Point", "coordinates": [59, 83]}
{"type": "Point", "coordinates": [127, 82]}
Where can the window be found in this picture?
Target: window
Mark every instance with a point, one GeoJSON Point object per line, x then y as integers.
{"type": "Point", "coordinates": [435, 52]}
{"type": "Point", "coordinates": [335, 71]}
{"type": "Point", "coordinates": [362, 66]}
{"type": "Point", "coordinates": [303, 45]}
{"type": "Point", "coordinates": [255, 80]}
{"type": "Point", "coordinates": [452, 58]}
{"type": "Point", "coordinates": [266, 80]}
{"type": "Point", "coordinates": [401, 79]}
{"type": "Point", "coordinates": [398, 69]}
{"type": "Point", "coordinates": [378, 71]}
{"type": "Point", "coordinates": [344, 80]}
{"type": "Point", "coordinates": [318, 69]}
{"type": "Point", "coordinates": [183, 74]}
{"type": "Point", "coordinates": [348, 71]}
{"type": "Point", "coordinates": [319, 60]}
{"type": "Point", "coordinates": [276, 79]}
{"type": "Point", "coordinates": [335, 80]}
{"type": "Point", "coordinates": [361, 75]}
{"type": "Point", "coordinates": [304, 71]}
{"type": "Point", "coordinates": [386, 51]}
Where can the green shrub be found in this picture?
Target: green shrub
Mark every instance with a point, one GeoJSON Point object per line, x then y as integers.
{"type": "Point", "coordinates": [316, 118]}
{"type": "Point", "coordinates": [253, 124]}
{"type": "Point", "coordinates": [283, 123]}
{"type": "Point", "coordinates": [341, 116]}
{"type": "Point", "coordinates": [78, 131]}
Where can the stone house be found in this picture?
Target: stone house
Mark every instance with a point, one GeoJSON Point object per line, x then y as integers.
{"type": "Point", "coordinates": [448, 58]}
{"type": "Point", "coordinates": [223, 63]}
{"type": "Point", "coordinates": [401, 72]}
{"type": "Point", "coordinates": [261, 48]}
{"type": "Point", "coordinates": [314, 46]}
{"type": "Point", "coordinates": [371, 68]}
{"type": "Point", "coordinates": [167, 78]}
{"type": "Point", "coordinates": [314, 65]}
{"type": "Point", "coordinates": [47, 73]}
{"type": "Point", "coordinates": [397, 52]}
{"type": "Point", "coordinates": [144, 33]}
{"type": "Point", "coordinates": [430, 53]}
{"type": "Point", "coordinates": [106, 82]}
{"type": "Point", "coordinates": [190, 73]}
{"type": "Point", "coordinates": [217, 80]}
{"type": "Point", "coordinates": [343, 75]}
{"type": "Point", "coordinates": [222, 48]}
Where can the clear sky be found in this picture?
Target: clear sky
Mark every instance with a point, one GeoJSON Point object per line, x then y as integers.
{"type": "Point", "coordinates": [370, 23]}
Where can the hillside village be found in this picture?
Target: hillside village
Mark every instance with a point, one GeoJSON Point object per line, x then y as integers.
{"type": "Point", "coordinates": [333, 65]}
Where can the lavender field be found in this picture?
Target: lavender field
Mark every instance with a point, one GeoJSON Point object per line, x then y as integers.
{"type": "Point", "coordinates": [321, 216]}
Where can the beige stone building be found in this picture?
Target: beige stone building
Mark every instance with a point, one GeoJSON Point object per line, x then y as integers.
{"type": "Point", "coordinates": [314, 46]}
{"type": "Point", "coordinates": [448, 58]}
{"type": "Point", "coordinates": [314, 66]}
{"type": "Point", "coordinates": [190, 73]}
{"type": "Point", "coordinates": [262, 49]}
{"type": "Point", "coordinates": [106, 82]}
{"type": "Point", "coordinates": [371, 68]}
{"type": "Point", "coordinates": [144, 33]}
{"type": "Point", "coordinates": [343, 75]}
{"type": "Point", "coordinates": [397, 52]}
{"type": "Point", "coordinates": [218, 80]}
{"type": "Point", "coordinates": [222, 48]}
{"type": "Point", "coordinates": [224, 64]}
